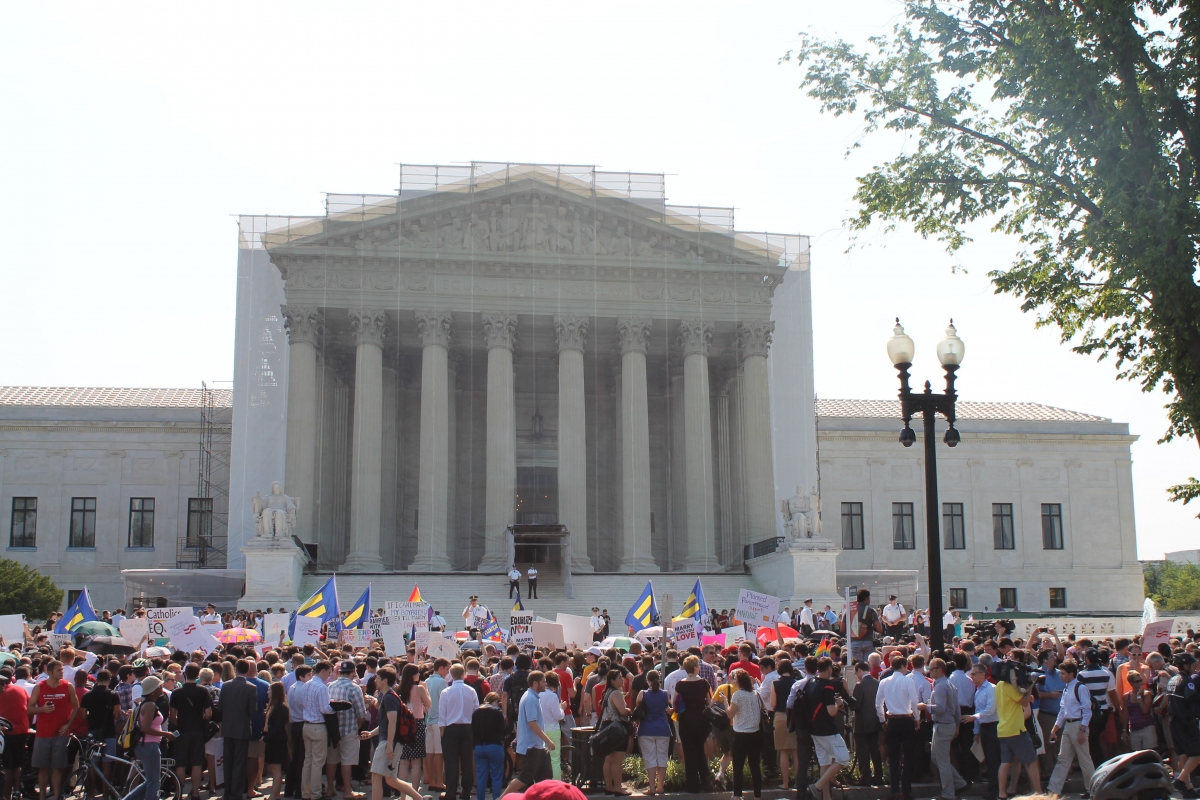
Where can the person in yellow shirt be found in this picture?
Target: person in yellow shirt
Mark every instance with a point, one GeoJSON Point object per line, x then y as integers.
{"type": "Point", "coordinates": [724, 737]}
{"type": "Point", "coordinates": [1013, 705]}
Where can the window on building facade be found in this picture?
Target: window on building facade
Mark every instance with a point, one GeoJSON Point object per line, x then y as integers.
{"type": "Point", "coordinates": [141, 522]}
{"type": "Point", "coordinates": [958, 598]}
{"type": "Point", "coordinates": [1002, 526]}
{"type": "Point", "coordinates": [1058, 598]}
{"type": "Point", "coordinates": [23, 532]}
{"type": "Point", "coordinates": [852, 526]}
{"type": "Point", "coordinates": [83, 522]}
{"type": "Point", "coordinates": [954, 526]}
{"type": "Point", "coordinates": [902, 527]}
{"type": "Point", "coordinates": [1052, 537]}
{"type": "Point", "coordinates": [1008, 599]}
{"type": "Point", "coordinates": [199, 522]}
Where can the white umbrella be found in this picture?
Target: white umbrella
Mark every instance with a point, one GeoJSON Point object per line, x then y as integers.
{"type": "Point", "coordinates": [649, 634]}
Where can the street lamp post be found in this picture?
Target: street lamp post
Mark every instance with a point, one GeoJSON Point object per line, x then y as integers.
{"type": "Point", "coordinates": [950, 353]}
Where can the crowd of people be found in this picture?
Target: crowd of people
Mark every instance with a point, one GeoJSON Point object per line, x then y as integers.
{"type": "Point", "coordinates": [315, 721]}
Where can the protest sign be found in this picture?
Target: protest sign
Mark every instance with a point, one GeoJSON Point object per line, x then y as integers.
{"type": "Point", "coordinates": [687, 633]}
{"type": "Point", "coordinates": [713, 638]}
{"type": "Point", "coordinates": [134, 630]}
{"type": "Point", "coordinates": [1155, 634]}
{"type": "Point", "coordinates": [12, 628]}
{"type": "Point", "coordinates": [308, 631]}
{"type": "Point", "coordinates": [440, 647]}
{"type": "Point", "coordinates": [408, 615]}
{"type": "Point", "coordinates": [734, 634]}
{"type": "Point", "coordinates": [273, 625]}
{"type": "Point", "coordinates": [57, 640]}
{"type": "Point", "coordinates": [393, 640]}
{"type": "Point", "coordinates": [422, 640]}
{"type": "Point", "coordinates": [547, 634]}
{"type": "Point", "coordinates": [577, 631]}
{"type": "Point", "coordinates": [187, 634]}
{"type": "Point", "coordinates": [756, 608]}
{"type": "Point", "coordinates": [520, 631]}
{"type": "Point", "coordinates": [156, 619]}
{"type": "Point", "coordinates": [355, 637]}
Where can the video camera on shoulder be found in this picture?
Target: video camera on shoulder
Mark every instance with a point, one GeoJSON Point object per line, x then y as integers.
{"type": "Point", "coordinates": [1014, 673]}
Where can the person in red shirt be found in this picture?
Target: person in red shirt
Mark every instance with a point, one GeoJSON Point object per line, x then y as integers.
{"type": "Point", "coordinates": [56, 706]}
{"type": "Point", "coordinates": [14, 705]}
{"type": "Point", "coordinates": [745, 652]}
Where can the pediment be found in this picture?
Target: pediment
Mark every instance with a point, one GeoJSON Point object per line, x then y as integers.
{"type": "Point", "coordinates": [536, 213]}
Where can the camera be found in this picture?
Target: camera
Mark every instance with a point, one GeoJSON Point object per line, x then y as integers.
{"type": "Point", "coordinates": [1013, 672]}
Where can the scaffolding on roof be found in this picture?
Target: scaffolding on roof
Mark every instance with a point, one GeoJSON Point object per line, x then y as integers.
{"type": "Point", "coordinates": [205, 543]}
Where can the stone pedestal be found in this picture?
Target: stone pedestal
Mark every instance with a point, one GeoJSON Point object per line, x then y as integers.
{"type": "Point", "coordinates": [273, 568]}
{"type": "Point", "coordinates": [801, 569]}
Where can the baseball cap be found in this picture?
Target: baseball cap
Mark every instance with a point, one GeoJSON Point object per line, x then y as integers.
{"type": "Point", "coordinates": [596, 651]}
{"type": "Point", "coordinates": [1184, 660]}
{"type": "Point", "coordinates": [347, 667]}
{"type": "Point", "coordinates": [549, 790]}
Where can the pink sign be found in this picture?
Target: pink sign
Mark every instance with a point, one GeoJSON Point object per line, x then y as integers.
{"type": "Point", "coordinates": [717, 638]}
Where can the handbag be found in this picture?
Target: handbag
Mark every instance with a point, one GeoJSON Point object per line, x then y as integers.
{"type": "Point", "coordinates": [639, 711]}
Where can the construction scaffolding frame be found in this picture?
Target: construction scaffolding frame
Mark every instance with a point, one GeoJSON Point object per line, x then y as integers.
{"type": "Point", "coordinates": [205, 543]}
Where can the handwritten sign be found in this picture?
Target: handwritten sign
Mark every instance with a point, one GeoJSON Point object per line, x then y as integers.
{"type": "Point", "coordinates": [187, 634]}
{"type": "Point", "coordinates": [355, 637]}
{"type": "Point", "coordinates": [756, 608]}
{"type": "Point", "coordinates": [156, 619]}
{"type": "Point", "coordinates": [1156, 633]}
{"type": "Point", "coordinates": [273, 626]}
{"type": "Point", "coordinates": [134, 629]}
{"type": "Point", "coordinates": [408, 615]}
{"type": "Point", "coordinates": [439, 647]}
{"type": "Point", "coordinates": [734, 634]}
{"type": "Point", "coordinates": [687, 634]}
{"type": "Point", "coordinates": [520, 631]}
{"type": "Point", "coordinates": [58, 640]}
{"type": "Point", "coordinates": [308, 631]}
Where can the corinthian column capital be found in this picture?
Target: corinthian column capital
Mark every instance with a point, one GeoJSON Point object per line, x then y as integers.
{"type": "Point", "coordinates": [571, 332]}
{"type": "Point", "coordinates": [754, 338]}
{"type": "Point", "coordinates": [369, 325]}
{"type": "Point", "coordinates": [633, 334]}
{"type": "Point", "coordinates": [435, 327]}
{"type": "Point", "coordinates": [499, 330]}
{"type": "Point", "coordinates": [695, 336]}
{"type": "Point", "coordinates": [303, 323]}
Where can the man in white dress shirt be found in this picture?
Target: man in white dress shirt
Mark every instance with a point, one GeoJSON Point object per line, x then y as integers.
{"type": "Point", "coordinates": [597, 624]}
{"type": "Point", "coordinates": [532, 575]}
{"type": "Point", "coordinates": [898, 706]}
{"type": "Point", "coordinates": [806, 618]}
{"type": "Point", "coordinates": [893, 618]}
{"type": "Point", "coordinates": [514, 581]}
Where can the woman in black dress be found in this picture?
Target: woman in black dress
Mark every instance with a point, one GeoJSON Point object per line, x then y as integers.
{"type": "Point", "coordinates": [275, 737]}
{"type": "Point", "coordinates": [694, 696]}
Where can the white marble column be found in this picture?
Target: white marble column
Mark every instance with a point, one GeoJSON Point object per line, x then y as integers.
{"type": "Point", "coordinates": [303, 325]}
{"type": "Point", "coordinates": [366, 479]}
{"type": "Point", "coordinates": [728, 552]}
{"type": "Point", "coordinates": [754, 340]}
{"type": "Point", "coordinates": [389, 526]}
{"type": "Point", "coordinates": [434, 328]}
{"type": "Point", "coordinates": [571, 332]}
{"type": "Point", "coordinates": [633, 335]}
{"type": "Point", "coordinates": [499, 334]}
{"type": "Point", "coordinates": [453, 545]}
{"type": "Point", "coordinates": [695, 338]}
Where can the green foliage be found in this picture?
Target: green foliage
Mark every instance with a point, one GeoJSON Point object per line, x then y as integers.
{"type": "Point", "coordinates": [1073, 125]}
{"type": "Point", "coordinates": [26, 591]}
{"type": "Point", "coordinates": [1173, 586]}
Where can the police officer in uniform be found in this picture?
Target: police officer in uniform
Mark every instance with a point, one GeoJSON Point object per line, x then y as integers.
{"type": "Point", "coordinates": [1183, 705]}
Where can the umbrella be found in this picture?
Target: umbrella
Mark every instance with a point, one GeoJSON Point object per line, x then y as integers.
{"type": "Point", "coordinates": [619, 642]}
{"type": "Point", "coordinates": [6, 656]}
{"type": "Point", "coordinates": [157, 652]}
{"type": "Point", "coordinates": [239, 636]}
{"type": "Point", "coordinates": [94, 628]}
{"type": "Point", "coordinates": [649, 634]}
{"type": "Point", "coordinates": [767, 635]}
{"type": "Point", "coordinates": [108, 645]}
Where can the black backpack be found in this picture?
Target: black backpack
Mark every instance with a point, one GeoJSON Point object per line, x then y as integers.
{"type": "Point", "coordinates": [520, 683]}
{"type": "Point", "coordinates": [807, 705]}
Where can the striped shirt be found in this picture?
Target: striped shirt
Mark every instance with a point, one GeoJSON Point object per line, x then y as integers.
{"type": "Point", "coordinates": [1099, 682]}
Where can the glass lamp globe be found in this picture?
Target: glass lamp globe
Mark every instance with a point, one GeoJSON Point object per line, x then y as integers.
{"type": "Point", "coordinates": [900, 347]}
{"type": "Point", "coordinates": [950, 351]}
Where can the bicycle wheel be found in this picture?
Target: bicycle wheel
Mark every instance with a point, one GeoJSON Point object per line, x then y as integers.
{"type": "Point", "coordinates": [75, 784]}
{"type": "Point", "coordinates": [168, 785]}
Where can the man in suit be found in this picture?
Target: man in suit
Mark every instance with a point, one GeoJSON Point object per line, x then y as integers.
{"type": "Point", "coordinates": [239, 704]}
{"type": "Point", "coordinates": [867, 727]}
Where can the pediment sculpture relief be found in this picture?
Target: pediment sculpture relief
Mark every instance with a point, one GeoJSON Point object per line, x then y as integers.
{"type": "Point", "coordinates": [527, 225]}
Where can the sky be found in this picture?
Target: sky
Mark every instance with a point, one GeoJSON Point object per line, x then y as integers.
{"type": "Point", "coordinates": [134, 134]}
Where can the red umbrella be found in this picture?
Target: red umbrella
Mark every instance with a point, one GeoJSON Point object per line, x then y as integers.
{"type": "Point", "coordinates": [767, 635]}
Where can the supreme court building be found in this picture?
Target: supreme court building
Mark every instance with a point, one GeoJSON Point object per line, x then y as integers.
{"type": "Point", "coordinates": [500, 344]}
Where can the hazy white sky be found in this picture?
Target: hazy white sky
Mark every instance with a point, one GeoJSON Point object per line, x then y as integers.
{"type": "Point", "coordinates": [133, 134]}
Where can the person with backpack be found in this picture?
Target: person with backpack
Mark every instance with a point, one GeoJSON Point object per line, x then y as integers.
{"type": "Point", "coordinates": [396, 724]}
{"type": "Point", "coordinates": [801, 715]}
{"type": "Point", "coordinates": [865, 625]}
{"type": "Point", "coordinates": [147, 737]}
{"type": "Point", "coordinates": [1074, 720]}
{"type": "Point", "coordinates": [826, 702]}
{"type": "Point", "coordinates": [515, 686]}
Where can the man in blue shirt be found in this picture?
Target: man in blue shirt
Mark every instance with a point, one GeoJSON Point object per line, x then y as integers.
{"type": "Point", "coordinates": [986, 721]}
{"type": "Point", "coordinates": [533, 745]}
{"type": "Point", "coordinates": [1049, 688]}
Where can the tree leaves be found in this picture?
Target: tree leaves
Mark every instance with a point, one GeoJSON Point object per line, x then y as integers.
{"type": "Point", "coordinates": [26, 591]}
{"type": "Point", "coordinates": [1073, 126]}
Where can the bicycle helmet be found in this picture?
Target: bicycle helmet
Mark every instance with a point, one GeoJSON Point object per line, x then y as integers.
{"type": "Point", "coordinates": [1133, 776]}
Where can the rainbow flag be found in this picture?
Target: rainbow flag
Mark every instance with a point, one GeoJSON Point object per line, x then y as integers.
{"type": "Point", "coordinates": [415, 595]}
{"type": "Point", "coordinates": [823, 649]}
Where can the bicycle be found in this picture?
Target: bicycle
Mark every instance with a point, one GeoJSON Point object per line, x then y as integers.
{"type": "Point", "coordinates": [92, 756]}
